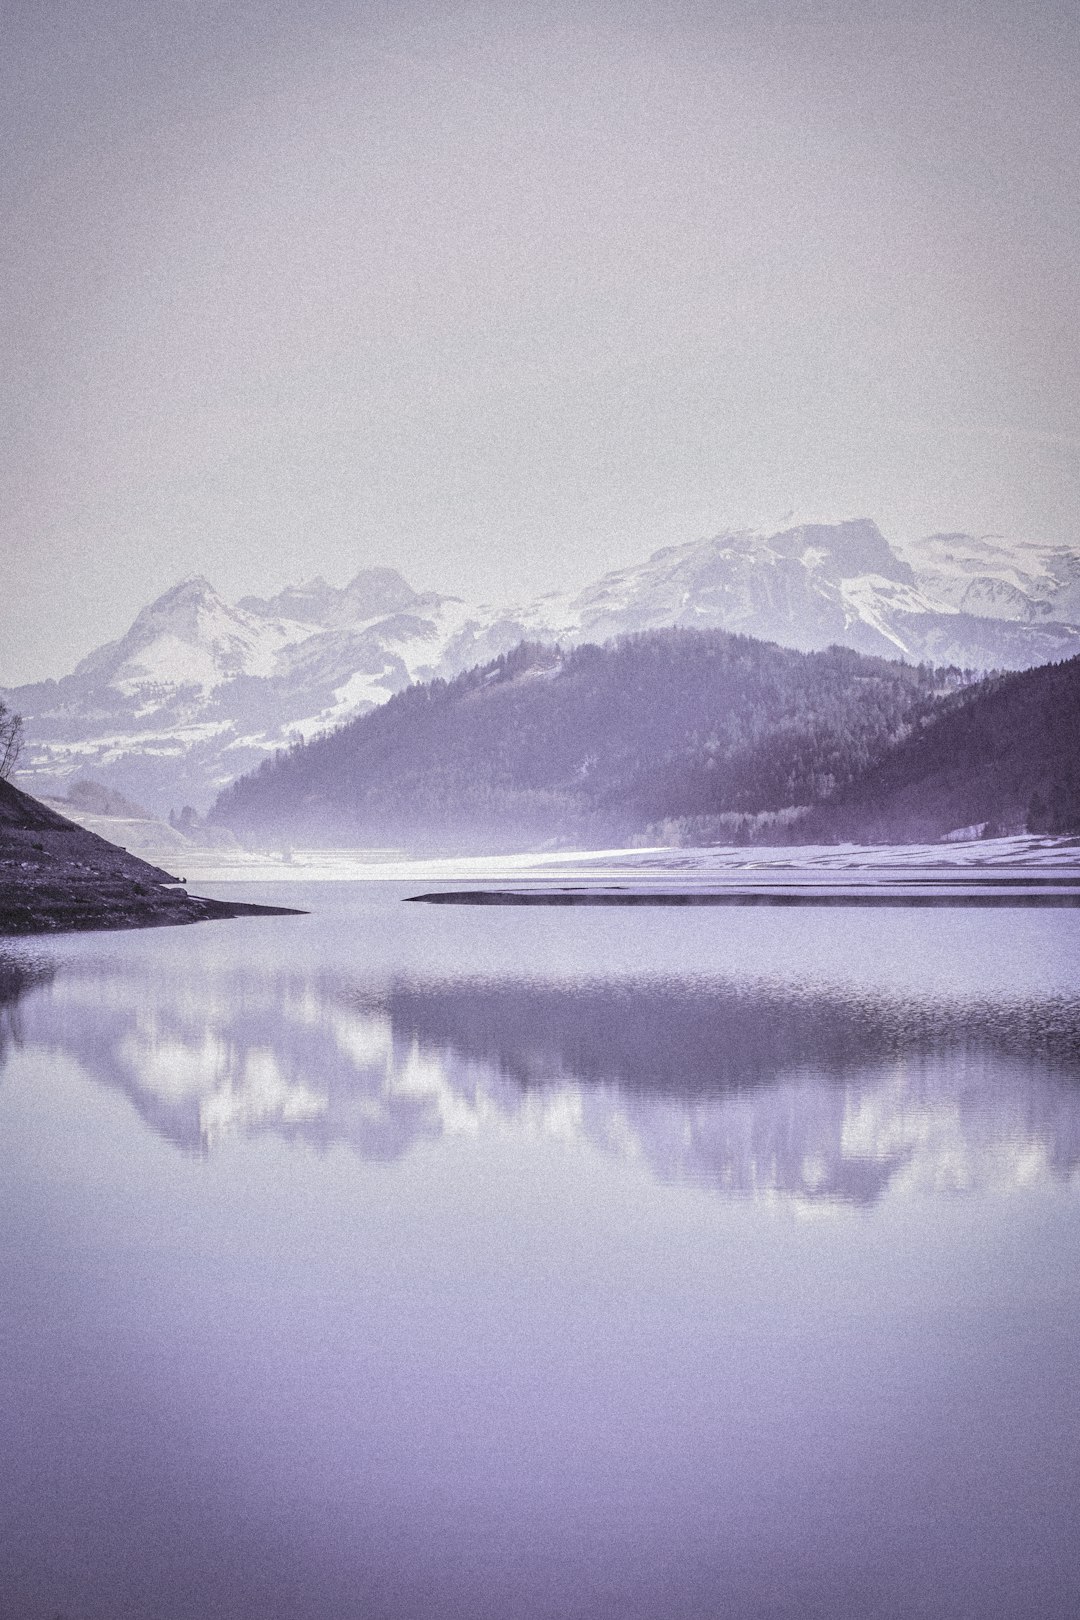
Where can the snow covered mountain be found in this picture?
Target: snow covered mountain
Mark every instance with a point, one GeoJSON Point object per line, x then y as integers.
{"type": "Point", "coordinates": [984, 575]}
{"type": "Point", "coordinates": [818, 584]}
{"type": "Point", "coordinates": [199, 691]}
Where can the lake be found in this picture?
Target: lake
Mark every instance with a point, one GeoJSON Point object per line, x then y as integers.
{"type": "Point", "coordinates": [406, 1261]}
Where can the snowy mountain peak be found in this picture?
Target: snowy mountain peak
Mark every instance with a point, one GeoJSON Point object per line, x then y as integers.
{"type": "Point", "coordinates": [852, 548]}
{"type": "Point", "coordinates": [309, 603]}
{"type": "Point", "coordinates": [375, 593]}
{"type": "Point", "coordinates": [187, 638]}
{"type": "Point", "coordinates": [184, 609]}
{"type": "Point", "coordinates": [845, 550]}
{"type": "Point", "coordinates": [792, 586]}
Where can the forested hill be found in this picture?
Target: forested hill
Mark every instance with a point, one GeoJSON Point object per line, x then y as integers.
{"type": "Point", "coordinates": [1003, 754]}
{"type": "Point", "coordinates": [695, 735]}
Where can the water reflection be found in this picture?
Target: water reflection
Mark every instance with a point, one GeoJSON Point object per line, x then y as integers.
{"type": "Point", "coordinates": [18, 975]}
{"type": "Point", "coordinates": [765, 1089]}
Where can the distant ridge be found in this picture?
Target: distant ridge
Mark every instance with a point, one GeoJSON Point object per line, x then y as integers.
{"type": "Point", "coordinates": [199, 691]}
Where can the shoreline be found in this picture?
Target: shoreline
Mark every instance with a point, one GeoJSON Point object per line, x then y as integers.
{"type": "Point", "coordinates": [28, 913]}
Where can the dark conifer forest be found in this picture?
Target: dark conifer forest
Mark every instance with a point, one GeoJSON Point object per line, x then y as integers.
{"type": "Point", "coordinates": [677, 736]}
{"type": "Point", "coordinates": [1002, 755]}
{"type": "Point", "coordinates": [688, 736]}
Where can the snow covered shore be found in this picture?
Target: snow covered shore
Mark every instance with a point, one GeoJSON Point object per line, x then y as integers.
{"type": "Point", "coordinates": [687, 866]}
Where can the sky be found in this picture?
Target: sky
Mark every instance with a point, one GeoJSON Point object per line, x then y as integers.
{"type": "Point", "coordinates": [504, 295]}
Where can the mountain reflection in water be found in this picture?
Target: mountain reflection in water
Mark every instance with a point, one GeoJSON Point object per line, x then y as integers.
{"type": "Point", "coordinates": [748, 1088]}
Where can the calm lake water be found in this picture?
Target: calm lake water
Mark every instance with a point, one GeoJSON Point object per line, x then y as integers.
{"type": "Point", "coordinates": [403, 1262]}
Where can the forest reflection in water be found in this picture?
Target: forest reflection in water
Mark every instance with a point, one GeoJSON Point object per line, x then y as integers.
{"type": "Point", "coordinates": [427, 1264]}
{"type": "Point", "coordinates": [760, 1086]}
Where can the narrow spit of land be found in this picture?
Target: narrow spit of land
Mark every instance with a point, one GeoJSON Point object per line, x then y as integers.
{"type": "Point", "coordinates": [794, 889]}
{"type": "Point", "coordinates": [56, 877]}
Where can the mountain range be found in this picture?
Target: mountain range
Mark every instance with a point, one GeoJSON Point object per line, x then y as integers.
{"type": "Point", "coordinates": [199, 691]}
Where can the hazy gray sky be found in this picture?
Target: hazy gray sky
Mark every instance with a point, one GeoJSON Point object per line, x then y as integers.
{"type": "Point", "coordinates": [506, 294]}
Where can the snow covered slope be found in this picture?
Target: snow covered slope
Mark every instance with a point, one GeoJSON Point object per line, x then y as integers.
{"type": "Point", "coordinates": [806, 587]}
{"type": "Point", "coordinates": [199, 691]}
{"type": "Point", "coordinates": [985, 575]}
{"type": "Point", "coordinates": [819, 584]}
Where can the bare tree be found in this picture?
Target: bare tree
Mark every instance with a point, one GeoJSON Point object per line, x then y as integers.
{"type": "Point", "coordinates": [11, 739]}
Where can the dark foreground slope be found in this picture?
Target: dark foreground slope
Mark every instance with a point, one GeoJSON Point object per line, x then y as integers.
{"type": "Point", "coordinates": [1003, 754]}
{"type": "Point", "coordinates": [677, 734]}
{"type": "Point", "coordinates": [55, 876]}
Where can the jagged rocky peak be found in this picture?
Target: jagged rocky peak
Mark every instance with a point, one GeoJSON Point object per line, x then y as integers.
{"type": "Point", "coordinates": [375, 592]}
{"type": "Point", "coordinates": [183, 613]}
{"type": "Point", "coordinates": [193, 615]}
{"type": "Point", "coordinates": [849, 549]}
{"type": "Point", "coordinates": [309, 603]}
{"type": "Point", "coordinates": [181, 608]}
{"type": "Point", "coordinates": [854, 547]}
{"type": "Point", "coordinates": [187, 638]}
